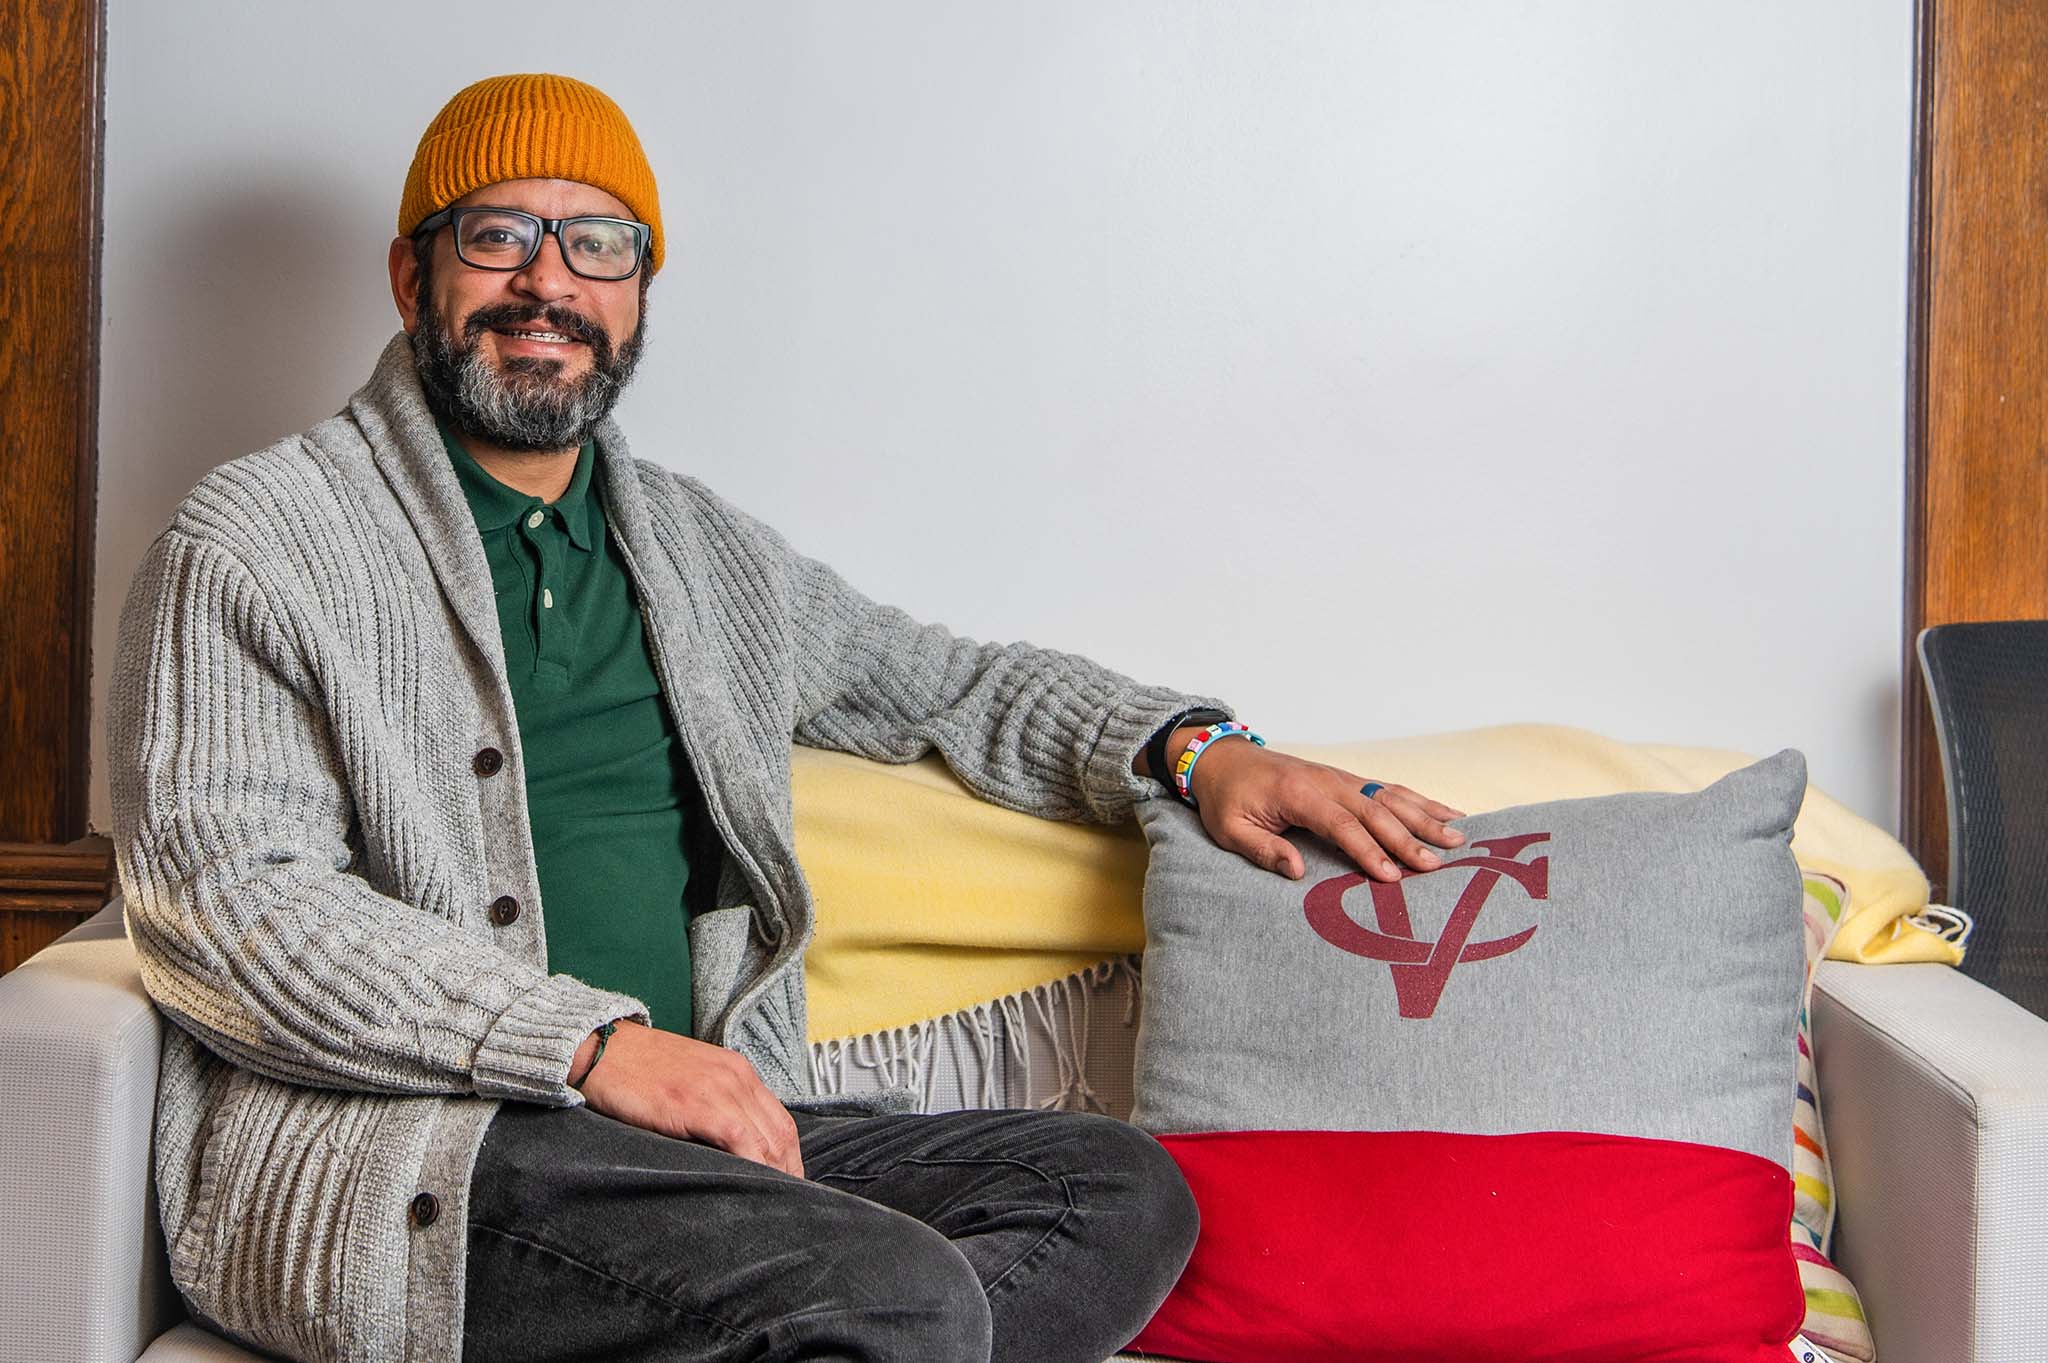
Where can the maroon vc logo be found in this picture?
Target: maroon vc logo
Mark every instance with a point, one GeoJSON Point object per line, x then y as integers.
{"type": "Point", "coordinates": [1422, 969]}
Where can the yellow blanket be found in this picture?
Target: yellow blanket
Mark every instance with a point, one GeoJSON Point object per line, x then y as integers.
{"type": "Point", "coordinates": [931, 900]}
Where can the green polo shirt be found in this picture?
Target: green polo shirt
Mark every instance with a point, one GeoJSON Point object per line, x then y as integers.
{"type": "Point", "coordinates": [607, 782]}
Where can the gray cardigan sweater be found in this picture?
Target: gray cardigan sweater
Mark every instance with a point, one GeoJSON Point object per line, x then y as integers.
{"type": "Point", "coordinates": [317, 791]}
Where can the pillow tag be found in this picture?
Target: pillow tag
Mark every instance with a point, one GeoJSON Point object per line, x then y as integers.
{"type": "Point", "coordinates": [1807, 1352]}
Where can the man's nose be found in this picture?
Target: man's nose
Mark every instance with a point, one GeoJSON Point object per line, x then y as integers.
{"type": "Point", "coordinates": [547, 276]}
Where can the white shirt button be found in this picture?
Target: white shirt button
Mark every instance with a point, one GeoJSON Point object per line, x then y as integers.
{"type": "Point", "coordinates": [547, 599]}
{"type": "Point", "coordinates": [533, 521]}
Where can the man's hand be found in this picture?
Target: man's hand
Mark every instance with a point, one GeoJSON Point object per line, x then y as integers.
{"type": "Point", "coordinates": [1249, 796]}
{"type": "Point", "coordinates": [690, 1090]}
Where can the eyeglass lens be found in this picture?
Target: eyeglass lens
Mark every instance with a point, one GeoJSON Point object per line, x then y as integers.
{"type": "Point", "coordinates": [598, 248]}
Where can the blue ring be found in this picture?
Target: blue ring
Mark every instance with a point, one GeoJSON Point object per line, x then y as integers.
{"type": "Point", "coordinates": [1371, 788]}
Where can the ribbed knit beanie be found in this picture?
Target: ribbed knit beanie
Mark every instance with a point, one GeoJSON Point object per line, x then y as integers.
{"type": "Point", "coordinates": [530, 127]}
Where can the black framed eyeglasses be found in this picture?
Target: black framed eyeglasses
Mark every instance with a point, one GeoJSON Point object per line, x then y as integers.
{"type": "Point", "coordinates": [507, 239]}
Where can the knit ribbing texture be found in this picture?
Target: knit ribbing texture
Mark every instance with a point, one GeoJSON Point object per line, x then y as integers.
{"type": "Point", "coordinates": [530, 127]}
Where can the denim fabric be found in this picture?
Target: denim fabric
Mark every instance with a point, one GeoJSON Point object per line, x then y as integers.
{"type": "Point", "coordinates": [965, 1236]}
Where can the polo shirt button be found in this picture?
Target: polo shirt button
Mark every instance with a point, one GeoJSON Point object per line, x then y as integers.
{"type": "Point", "coordinates": [426, 1208]}
{"type": "Point", "coordinates": [488, 762]}
{"type": "Point", "coordinates": [504, 910]}
{"type": "Point", "coordinates": [533, 521]}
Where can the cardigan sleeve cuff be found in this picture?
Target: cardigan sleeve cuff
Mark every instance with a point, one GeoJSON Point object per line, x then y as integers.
{"type": "Point", "coordinates": [1133, 716]}
{"type": "Point", "coordinates": [528, 1051]}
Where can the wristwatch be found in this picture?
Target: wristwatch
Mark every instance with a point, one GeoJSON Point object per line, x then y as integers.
{"type": "Point", "coordinates": [1155, 746]}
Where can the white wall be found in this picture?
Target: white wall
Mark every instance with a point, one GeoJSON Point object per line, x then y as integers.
{"type": "Point", "coordinates": [1386, 367]}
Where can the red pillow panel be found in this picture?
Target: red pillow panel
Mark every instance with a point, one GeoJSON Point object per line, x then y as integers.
{"type": "Point", "coordinates": [1357, 1247]}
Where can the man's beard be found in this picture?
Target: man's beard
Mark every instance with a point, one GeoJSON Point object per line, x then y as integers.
{"type": "Point", "coordinates": [527, 405]}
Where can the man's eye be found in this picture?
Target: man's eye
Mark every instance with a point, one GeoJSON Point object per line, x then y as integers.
{"type": "Point", "coordinates": [494, 236]}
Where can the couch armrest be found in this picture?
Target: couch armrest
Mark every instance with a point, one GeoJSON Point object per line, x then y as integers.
{"type": "Point", "coordinates": [1935, 1093]}
{"type": "Point", "coordinates": [82, 1272]}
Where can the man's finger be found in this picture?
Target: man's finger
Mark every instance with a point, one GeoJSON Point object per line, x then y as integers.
{"type": "Point", "coordinates": [777, 1129]}
{"type": "Point", "coordinates": [1341, 824]}
{"type": "Point", "coordinates": [1414, 813]}
{"type": "Point", "coordinates": [732, 1130]}
{"type": "Point", "coordinates": [1436, 809]}
{"type": "Point", "coordinates": [1274, 854]}
{"type": "Point", "coordinates": [1390, 831]}
{"type": "Point", "coordinates": [770, 1150]}
{"type": "Point", "coordinates": [786, 1142]}
{"type": "Point", "coordinates": [793, 1143]}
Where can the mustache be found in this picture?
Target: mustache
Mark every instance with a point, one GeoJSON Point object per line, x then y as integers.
{"type": "Point", "coordinates": [553, 316]}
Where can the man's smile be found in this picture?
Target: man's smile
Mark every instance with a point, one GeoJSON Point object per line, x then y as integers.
{"type": "Point", "coordinates": [535, 340]}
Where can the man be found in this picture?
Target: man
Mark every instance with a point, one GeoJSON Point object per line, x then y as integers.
{"type": "Point", "coordinates": [387, 688]}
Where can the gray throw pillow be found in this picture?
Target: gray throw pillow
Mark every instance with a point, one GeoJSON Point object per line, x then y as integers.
{"type": "Point", "coordinates": [1629, 965]}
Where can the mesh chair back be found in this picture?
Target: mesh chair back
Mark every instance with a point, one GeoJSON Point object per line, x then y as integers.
{"type": "Point", "coordinates": [1989, 687]}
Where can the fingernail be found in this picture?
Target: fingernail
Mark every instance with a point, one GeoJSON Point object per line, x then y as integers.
{"type": "Point", "coordinates": [1387, 868]}
{"type": "Point", "coordinates": [1430, 856]}
{"type": "Point", "coordinates": [1453, 835]}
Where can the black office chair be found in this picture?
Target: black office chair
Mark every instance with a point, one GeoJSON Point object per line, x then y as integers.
{"type": "Point", "coordinates": [1988, 684]}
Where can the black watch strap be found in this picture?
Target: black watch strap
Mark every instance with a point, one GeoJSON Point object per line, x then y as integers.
{"type": "Point", "coordinates": [1155, 747]}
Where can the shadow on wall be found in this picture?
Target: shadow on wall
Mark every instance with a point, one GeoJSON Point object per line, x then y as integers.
{"type": "Point", "coordinates": [258, 317]}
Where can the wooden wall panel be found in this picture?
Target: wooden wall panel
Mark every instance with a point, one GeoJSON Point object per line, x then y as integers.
{"type": "Point", "coordinates": [1977, 464]}
{"type": "Point", "coordinates": [45, 891]}
{"type": "Point", "coordinates": [51, 97]}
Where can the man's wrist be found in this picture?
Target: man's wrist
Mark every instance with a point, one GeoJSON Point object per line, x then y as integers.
{"type": "Point", "coordinates": [579, 1064]}
{"type": "Point", "coordinates": [588, 1051]}
{"type": "Point", "coordinates": [1176, 744]}
{"type": "Point", "coordinates": [1156, 759]}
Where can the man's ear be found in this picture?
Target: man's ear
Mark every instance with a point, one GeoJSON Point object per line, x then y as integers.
{"type": "Point", "coordinates": [405, 282]}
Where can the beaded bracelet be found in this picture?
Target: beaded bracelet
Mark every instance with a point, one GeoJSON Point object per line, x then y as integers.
{"type": "Point", "coordinates": [1186, 766]}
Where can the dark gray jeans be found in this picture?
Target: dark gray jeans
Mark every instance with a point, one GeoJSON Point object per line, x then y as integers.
{"type": "Point", "coordinates": [966, 1236]}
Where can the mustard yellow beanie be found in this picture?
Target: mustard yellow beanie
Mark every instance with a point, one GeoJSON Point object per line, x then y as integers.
{"type": "Point", "coordinates": [530, 127]}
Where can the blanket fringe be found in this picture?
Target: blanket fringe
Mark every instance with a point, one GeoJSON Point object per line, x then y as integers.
{"type": "Point", "coordinates": [986, 1043]}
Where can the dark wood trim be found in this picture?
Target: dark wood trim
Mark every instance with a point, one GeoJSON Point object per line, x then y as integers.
{"type": "Point", "coordinates": [72, 877]}
{"type": "Point", "coordinates": [46, 889]}
{"type": "Point", "coordinates": [1976, 532]}
{"type": "Point", "coordinates": [52, 99]}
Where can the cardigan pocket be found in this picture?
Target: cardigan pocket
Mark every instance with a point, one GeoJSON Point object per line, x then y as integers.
{"type": "Point", "coordinates": [275, 1155]}
{"type": "Point", "coordinates": [195, 1245]}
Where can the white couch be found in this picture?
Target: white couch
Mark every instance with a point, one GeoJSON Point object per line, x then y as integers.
{"type": "Point", "coordinates": [1935, 1094]}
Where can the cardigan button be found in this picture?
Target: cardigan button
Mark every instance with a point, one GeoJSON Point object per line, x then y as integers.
{"type": "Point", "coordinates": [425, 1209]}
{"type": "Point", "coordinates": [504, 910]}
{"type": "Point", "coordinates": [489, 762]}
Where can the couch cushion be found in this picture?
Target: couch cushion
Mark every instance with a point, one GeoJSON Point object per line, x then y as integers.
{"type": "Point", "coordinates": [1596, 997]}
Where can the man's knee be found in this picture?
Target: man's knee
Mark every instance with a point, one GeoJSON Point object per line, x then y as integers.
{"type": "Point", "coordinates": [890, 1289]}
{"type": "Point", "coordinates": [1161, 1208]}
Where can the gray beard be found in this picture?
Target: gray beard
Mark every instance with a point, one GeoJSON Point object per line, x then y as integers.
{"type": "Point", "coordinates": [527, 405]}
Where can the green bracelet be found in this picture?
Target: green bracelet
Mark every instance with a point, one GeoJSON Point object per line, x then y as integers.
{"type": "Point", "coordinates": [604, 1034]}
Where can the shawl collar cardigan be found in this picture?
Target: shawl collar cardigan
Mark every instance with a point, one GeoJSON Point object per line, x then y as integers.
{"type": "Point", "coordinates": [308, 669]}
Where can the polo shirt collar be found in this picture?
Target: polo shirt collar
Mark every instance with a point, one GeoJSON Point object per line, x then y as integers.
{"type": "Point", "coordinates": [496, 506]}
